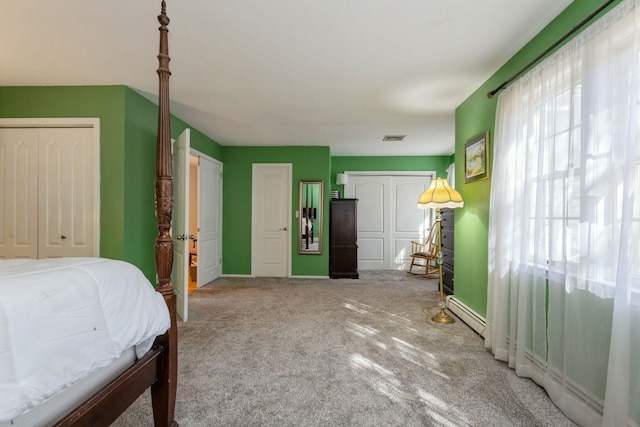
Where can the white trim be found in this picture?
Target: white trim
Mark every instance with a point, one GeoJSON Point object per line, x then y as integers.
{"type": "Point", "coordinates": [197, 153]}
{"type": "Point", "coordinates": [466, 314]}
{"type": "Point", "coordinates": [310, 277]}
{"type": "Point", "coordinates": [71, 122]}
{"type": "Point", "coordinates": [51, 122]}
{"type": "Point", "coordinates": [249, 276]}
{"type": "Point", "coordinates": [390, 173]}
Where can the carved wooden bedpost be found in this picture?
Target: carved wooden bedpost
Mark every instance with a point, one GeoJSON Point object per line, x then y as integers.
{"type": "Point", "coordinates": [164, 166]}
{"type": "Point", "coordinates": [164, 392]}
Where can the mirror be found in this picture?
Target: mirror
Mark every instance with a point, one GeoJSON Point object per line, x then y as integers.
{"type": "Point", "coordinates": [310, 218]}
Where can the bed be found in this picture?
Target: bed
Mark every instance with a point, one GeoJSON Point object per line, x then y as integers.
{"type": "Point", "coordinates": [99, 334]}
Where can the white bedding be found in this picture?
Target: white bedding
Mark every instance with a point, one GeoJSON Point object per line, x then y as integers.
{"type": "Point", "coordinates": [61, 319]}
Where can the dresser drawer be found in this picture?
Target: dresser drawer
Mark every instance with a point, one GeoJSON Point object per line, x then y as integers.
{"type": "Point", "coordinates": [447, 217]}
{"type": "Point", "coordinates": [447, 257]}
{"type": "Point", "coordinates": [447, 238]}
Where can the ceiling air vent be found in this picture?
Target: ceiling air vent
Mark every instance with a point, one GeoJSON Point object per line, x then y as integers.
{"type": "Point", "coordinates": [393, 137]}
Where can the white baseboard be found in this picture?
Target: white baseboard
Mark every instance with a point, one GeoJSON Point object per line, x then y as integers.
{"type": "Point", "coordinates": [466, 314]}
{"type": "Point", "coordinates": [290, 277]}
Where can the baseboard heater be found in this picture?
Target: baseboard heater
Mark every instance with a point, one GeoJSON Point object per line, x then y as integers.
{"type": "Point", "coordinates": [466, 314]}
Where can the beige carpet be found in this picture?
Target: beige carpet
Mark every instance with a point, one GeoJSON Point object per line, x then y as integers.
{"type": "Point", "coordinates": [304, 352]}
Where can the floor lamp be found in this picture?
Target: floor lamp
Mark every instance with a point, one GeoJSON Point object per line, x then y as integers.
{"type": "Point", "coordinates": [440, 195]}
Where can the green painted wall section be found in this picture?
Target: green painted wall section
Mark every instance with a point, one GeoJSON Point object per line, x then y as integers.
{"type": "Point", "coordinates": [339, 164]}
{"type": "Point", "coordinates": [475, 115]}
{"type": "Point", "coordinates": [141, 128]}
{"type": "Point", "coordinates": [141, 118]}
{"type": "Point", "coordinates": [128, 126]}
{"type": "Point", "coordinates": [104, 102]}
{"type": "Point", "coordinates": [309, 163]}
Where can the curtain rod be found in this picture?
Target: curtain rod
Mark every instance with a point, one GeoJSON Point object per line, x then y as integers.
{"type": "Point", "coordinates": [549, 49]}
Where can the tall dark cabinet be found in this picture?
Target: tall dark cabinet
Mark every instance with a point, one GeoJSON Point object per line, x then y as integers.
{"type": "Point", "coordinates": [343, 249]}
{"type": "Point", "coordinates": [447, 250]}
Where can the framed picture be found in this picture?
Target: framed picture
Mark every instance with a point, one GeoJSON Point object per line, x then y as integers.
{"type": "Point", "coordinates": [476, 154]}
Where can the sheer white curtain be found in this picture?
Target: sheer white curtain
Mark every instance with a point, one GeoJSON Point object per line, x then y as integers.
{"type": "Point", "coordinates": [564, 231]}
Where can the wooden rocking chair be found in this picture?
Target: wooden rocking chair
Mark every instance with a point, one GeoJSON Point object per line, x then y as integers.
{"type": "Point", "coordinates": [424, 255]}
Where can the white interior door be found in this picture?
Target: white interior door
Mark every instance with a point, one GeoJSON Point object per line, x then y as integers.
{"type": "Point", "coordinates": [271, 219]}
{"type": "Point", "coordinates": [210, 221]}
{"type": "Point", "coordinates": [388, 218]}
{"type": "Point", "coordinates": [180, 226]}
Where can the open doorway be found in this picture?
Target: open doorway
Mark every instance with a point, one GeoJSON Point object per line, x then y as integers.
{"type": "Point", "coordinates": [205, 223]}
{"type": "Point", "coordinates": [193, 222]}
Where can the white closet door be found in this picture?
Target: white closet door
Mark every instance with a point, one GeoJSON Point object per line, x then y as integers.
{"type": "Point", "coordinates": [66, 194]}
{"type": "Point", "coordinates": [374, 195]}
{"type": "Point", "coordinates": [18, 193]}
{"type": "Point", "coordinates": [407, 222]}
{"type": "Point", "coordinates": [388, 219]}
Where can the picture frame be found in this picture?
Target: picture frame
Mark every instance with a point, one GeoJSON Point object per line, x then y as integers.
{"type": "Point", "coordinates": [476, 158]}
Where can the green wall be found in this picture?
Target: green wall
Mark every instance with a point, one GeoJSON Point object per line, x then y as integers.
{"type": "Point", "coordinates": [128, 127]}
{"type": "Point", "coordinates": [104, 102]}
{"type": "Point", "coordinates": [339, 164]}
{"type": "Point", "coordinates": [474, 116]}
{"type": "Point", "coordinates": [309, 163]}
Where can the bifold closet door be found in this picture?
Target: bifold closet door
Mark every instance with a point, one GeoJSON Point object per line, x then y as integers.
{"type": "Point", "coordinates": [388, 219]}
{"type": "Point", "coordinates": [47, 190]}
{"type": "Point", "coordinates": [66, 192]}
{"type": "Point", "coordinates": [18, 193]}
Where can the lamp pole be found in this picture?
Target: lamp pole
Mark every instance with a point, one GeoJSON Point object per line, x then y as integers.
{"type": "Point", "coordinates": [442, 316]}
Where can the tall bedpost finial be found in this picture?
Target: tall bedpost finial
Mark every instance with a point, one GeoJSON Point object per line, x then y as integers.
{"type": "Point", "coordinates": [164, 166]}
{"type": "Point", "coordinates": [164, 392]}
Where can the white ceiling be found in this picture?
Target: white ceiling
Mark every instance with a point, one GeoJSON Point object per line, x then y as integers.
{"type": "Point", "coordinates": [338, 73]}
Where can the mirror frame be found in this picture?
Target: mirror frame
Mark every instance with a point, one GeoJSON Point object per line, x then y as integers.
{"type": "Point", "coordinates": [305, 204]}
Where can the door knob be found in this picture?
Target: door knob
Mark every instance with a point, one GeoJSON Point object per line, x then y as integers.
{"type": "Point", "coordinates": [284, 229]}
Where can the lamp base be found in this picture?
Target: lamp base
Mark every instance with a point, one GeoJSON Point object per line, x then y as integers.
{"type": "Point", "coordinates": [443, 317]}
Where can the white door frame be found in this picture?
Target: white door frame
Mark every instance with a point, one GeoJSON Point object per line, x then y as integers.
{"type": "Point", "coordinates": [254, 215]}
{"type": "Point", "coordinates": [75, 122]}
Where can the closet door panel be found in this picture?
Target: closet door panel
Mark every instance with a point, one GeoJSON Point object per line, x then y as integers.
{"type": "Point", "coordinates": [18, 193]}
{"type": "Point", "coordinates": [372, 193]}
{"type": "Point", "coordinates": [66, 192]}
{"type": "Point", "coordinates": [408, 222]}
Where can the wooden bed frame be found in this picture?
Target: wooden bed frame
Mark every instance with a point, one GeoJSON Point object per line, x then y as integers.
{"type": "Point", "coordinates": [158, 369]}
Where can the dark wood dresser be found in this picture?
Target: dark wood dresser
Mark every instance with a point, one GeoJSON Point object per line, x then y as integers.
{"type": "Point", "coordinates": [447, 250]}
{"type": "Point", "coordinates": [343, 236]}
